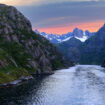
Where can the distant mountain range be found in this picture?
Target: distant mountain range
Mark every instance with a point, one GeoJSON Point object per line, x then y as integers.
{"type": "Point", "coordinates": [77, 33]}
{"type": "Point", "coordinates": [92, 51]}
{"type": "Point", "coordinates": [80, 46]}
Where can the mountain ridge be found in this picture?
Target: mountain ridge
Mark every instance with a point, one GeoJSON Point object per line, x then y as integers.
{"type": "Point", "coordinates": [91, 51]}
{"type": "Point", "coordinates": [77, 33]}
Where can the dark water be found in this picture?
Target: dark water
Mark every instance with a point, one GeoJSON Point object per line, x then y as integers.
{"type": "Point", "coordinates": [80, 85]}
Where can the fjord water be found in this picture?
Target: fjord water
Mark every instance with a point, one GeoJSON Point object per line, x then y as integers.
{"type": "Point", "coordinates": [79, 85]}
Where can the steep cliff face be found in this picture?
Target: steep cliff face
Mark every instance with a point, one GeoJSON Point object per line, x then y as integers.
{"type": "Point", "coordinates": [22, 51]}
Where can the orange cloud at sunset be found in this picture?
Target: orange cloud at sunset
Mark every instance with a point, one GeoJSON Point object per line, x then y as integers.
{"type": "Point", "coordinates": [91, 26]}
{"type": "Point", "coordinates": [18, 2]}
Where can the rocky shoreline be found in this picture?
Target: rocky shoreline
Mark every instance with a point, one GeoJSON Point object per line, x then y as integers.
{"type": "Point", "coordinates": [23, 79]}
{"type": "Point", "coordinates": [18, 82]}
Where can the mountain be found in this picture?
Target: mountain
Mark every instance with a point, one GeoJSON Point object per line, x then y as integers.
{"type": "Point", "coordinates": [22, 51]}
{"type": "Point", "coordinates": [70, 49]}
{"type": "Point", "coordinates": [92, 51]}
{"type": "Point", "coordinates": [77, 33]}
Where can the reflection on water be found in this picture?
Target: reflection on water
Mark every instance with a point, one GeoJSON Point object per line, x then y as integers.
{"type": "Point", "coordinates": [80, 85]}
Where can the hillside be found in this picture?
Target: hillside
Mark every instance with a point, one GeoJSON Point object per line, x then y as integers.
{"type": "Point", "coordinates": [22, 51]}
{"type": "Point", "coordinates": [70, 49]}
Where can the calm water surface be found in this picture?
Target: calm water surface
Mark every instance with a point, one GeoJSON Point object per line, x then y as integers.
{"type": "Point", "coordinates": [79, 85]}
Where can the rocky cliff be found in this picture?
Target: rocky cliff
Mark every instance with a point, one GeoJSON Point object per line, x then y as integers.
{"type": "Point", "coordinates": [23, 52]}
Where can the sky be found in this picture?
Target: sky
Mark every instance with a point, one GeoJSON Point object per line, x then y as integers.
{"type": "Point", "coordinates": [62, 16]}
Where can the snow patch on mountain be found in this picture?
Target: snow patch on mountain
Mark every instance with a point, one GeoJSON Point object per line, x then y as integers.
{"type": "Point", "coordinates": [66, 39]}
{"type": "Point", "coordinates": [82, 39]}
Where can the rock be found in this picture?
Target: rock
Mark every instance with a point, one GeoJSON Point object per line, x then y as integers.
{"type": "Point", "coordinates": [15, 38]}
{"type": "Point", "coordinates": [33, 64]}
{"type": "Point", "coordinates": [28, 52]}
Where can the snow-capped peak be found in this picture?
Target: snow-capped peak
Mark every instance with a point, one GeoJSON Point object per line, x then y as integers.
{"type": "Point", "coordinates": [77, 33]}
{"type": "Point", "coordinates": [83, 39]}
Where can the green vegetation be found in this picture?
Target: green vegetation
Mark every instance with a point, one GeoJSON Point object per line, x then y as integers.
{"type": "Point", "coordinates": [8, 74]}
{"type": "Point", "coordinates": [22, 51]}
{"type": "Point", "coordinates": [9, 71]}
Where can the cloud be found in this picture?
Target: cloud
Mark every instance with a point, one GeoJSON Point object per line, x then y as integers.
{"type": "Point", "coordinates": [91, 26]}
{"type": "Point", "coordinates": [61, 13]}
{"type": "Point", "coordinates": [65, 14]}
{"type": "Point", "coordinates": [39, 2]}
{"type": "Point", "coordinates": [18, 2]}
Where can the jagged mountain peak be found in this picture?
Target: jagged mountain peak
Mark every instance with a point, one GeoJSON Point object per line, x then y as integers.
{"type": "Point", "coordinates": [76, 29]}
{"type": "Point", "coordinates": [77, 33]}
{"type": "Point", "coordinates": [37, 31]}
{"type": "Point", "coordinates": [92, 51]}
